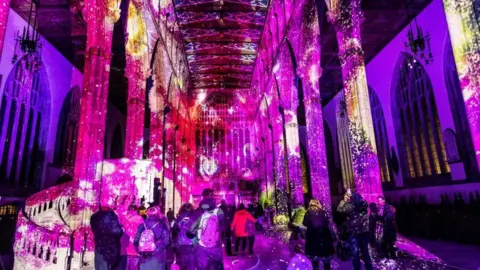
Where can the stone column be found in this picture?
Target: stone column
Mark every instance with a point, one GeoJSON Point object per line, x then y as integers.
{"type": "Point", "coordinates": [310, 72]}
{"type": "Point", "coordinates": [100, 16]}
{"type": "Point", "coordinates": [136, 107]}
{"type": "Point", "coordinates": [4, 8]}
{"type": "Point", "coordinates": [464, 29]}
{"type": "Point", "coordinates": [346, 17]}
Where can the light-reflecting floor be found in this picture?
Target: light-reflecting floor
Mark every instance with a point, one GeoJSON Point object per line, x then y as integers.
{"type": "Point", "coordinates": [272, 254]}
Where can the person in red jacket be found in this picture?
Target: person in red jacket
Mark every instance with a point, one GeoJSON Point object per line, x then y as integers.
{"type": "Point", "coordinates": [243, 226]}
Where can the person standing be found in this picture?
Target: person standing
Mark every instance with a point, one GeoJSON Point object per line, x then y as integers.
{"type": "Point", "coordinates": [206, 229]}
{"type": "Point", "coordinates": [356, 210]}
{"type": "Point", "coordinates": [389, 230]}
{"type": "Point", "coordinates": [243, 226]}
{"type": "Point", "coordinates": [170, 215]}
{"type": "Point", "coordinates": [226, 231]}
{"type": "Point", "coordinates": [319, 238]}
{"type": "Point", "coordinates": [107, 233]}
{"type": "Point", "coordinates": [131, 221]}
{"type": "Point", "coordinates": [152, 239]}
{"type": "Point", "coordinates": [185, 252]}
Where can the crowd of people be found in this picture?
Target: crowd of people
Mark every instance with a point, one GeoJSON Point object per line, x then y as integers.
{"type": "Point", "coordinates": [364, 225]}
{"type": "Point", "coordinates": [194, 239]}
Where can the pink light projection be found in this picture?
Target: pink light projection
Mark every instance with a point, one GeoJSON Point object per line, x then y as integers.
{"type": "Point", "coordinates": [4, 8]}
{"type": "Point", "coordinates": [464, 29]}
{"type": "Point", "coordinates": [310, 72]}
{"type": "Point", "coordinates": [346, 19]}
{"type": "Point", "coordinates": [137, 56]}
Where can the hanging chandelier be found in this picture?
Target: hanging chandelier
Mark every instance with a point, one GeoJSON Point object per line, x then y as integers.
{"type": "Point", "coordinates": [28, 43]}
{"type": "Point", "coordinates": [418, 43]}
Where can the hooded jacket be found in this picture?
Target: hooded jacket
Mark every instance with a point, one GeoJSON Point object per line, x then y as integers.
{"type": "Point", "coordinates": [130, 224]}
{"type": "Point", "coordinates": [181, 227]}
{"type": "Point", "coordinates": [107, 233]}
{"type": "Point", "coordinates": [204, 206]}
{"type": "Point", "coordinates": [357, 214]}
{"type": "Point", "coordinates": [161, 232]}
{"type": "Point", "coordinates": [239, 223]}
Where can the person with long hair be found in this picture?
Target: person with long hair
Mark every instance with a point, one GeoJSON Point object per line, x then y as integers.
{"type": "Point", "coordinates": [319, 237]}
{"type": "Point", "coordinates": [185, 251]}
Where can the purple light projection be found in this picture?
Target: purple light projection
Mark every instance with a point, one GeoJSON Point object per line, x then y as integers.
{"type": "Point", "coordinates": [299, 24]}
{"type": "Point", "coordinates": [310, 72]}
{"type": "Point", "coordinates": [464, 30]}
{"type": "Point", "coordinates": [4, 8]}
{"type": "Point", "coordinates": [288, 95]}
{"type": "Point", "coordinates": [346, 18]}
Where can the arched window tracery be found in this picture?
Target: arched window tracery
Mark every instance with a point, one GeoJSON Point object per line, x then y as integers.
{"type": "Point", "coordinates": [25, 109]}
{"type": "Point", "coordinates": [419, 138]}
{"type": "Point", "coordinates": [67, 130]}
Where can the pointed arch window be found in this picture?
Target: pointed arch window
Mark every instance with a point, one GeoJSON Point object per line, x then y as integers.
{"type": "Point", "coordinates": [25, 96]}
{"type": "Point", "coordinates": [381, 137]}
{"type": "Point", "coordinates": [67, 130]}
{"type": "Point", "coordinates": [417, 126]}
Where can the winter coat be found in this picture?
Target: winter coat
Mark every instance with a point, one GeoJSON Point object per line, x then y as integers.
{"type": "Point", "coordinates": [161, 232]}
{"type": "Point", "coordinates": [240, 222]}
{"type": "Point", "coordinates": [208, 204]}
{"type": "Point", "coordinates": [357, 214]}
{"type": "Point", "coordinates": [107, 232]}
{"type": "Point", "coordinates": [180, 229]}
{"type": "Point", "coordinates": [319, 239]}
{"type": "Point", "coordinates": [130, 224]}
{"type": "Point", "coordinates": [228, 217]}
{"type": "Point", "coordinates": [389, 224]}
{"type": "Point", "coordinates": [204, 206]}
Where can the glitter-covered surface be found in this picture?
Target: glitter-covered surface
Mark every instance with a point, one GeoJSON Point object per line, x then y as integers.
{"type": "Point", "coordinates": [346, 18]}
{"type": "Point", "coordinates": [464, 29]}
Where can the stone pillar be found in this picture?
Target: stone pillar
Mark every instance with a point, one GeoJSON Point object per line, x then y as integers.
{"type": "Point", "coordinates": [100, 16]}
{"type": "Point", "coordinates": [136, 107]}
{"type": "Point", "coordinates": [464, 29]}
{"type": "Point", "coordinates": [294, 164]}
{"type": "Point", "coordinates": [4, 8]}
{"type": "Point", "coordinates": [309, 71]}
{"type": "Point", "coordinates": [346, 17]}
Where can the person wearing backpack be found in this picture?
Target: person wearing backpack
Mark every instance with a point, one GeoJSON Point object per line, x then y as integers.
{"type": "Point", "coordinates": [185, 251]}
{"type": "Point", "coordinates": [243, 226]}
{"type": "Point", "coordinates": [130, 222]}
{"type": "Point", "coordinates": [206, 230]}
{"type": "Point", "coordinates": [152, 239]}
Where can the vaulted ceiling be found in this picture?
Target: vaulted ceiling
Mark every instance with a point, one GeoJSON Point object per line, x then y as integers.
{"type": "Point", "coordinates": [221, 37]}
{"type": "Point", "coordinates": [221, 40]}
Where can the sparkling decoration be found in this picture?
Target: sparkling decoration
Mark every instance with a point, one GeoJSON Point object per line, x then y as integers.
{"type": "Point", "coordinates": [346, 17]}
{"type": "Point", "coordinates": [464, 29]}
{"type": "Point", "coordinates": [302, 32]}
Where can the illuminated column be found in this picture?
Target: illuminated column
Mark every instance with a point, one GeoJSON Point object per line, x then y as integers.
{"type": "Point", "coordinates": [281, 161]}
{"type": "Point", "coordinates": [4, 8]}
{"type": "Point", "coordinates": [464, 29]}
{"type": "Point", "coordinates": [136, 107]}
{"type": "Point", "coordinates": [100, 16]}
{"type": "Point", "coordinates": [346, 17]}
{"type": "Point", "coordinates": [294, 164]}
{"type": "Point", "coordinates": [309, 71]}
{"type": "Point", "coordinates": [157, 107]}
